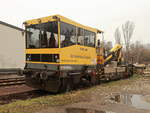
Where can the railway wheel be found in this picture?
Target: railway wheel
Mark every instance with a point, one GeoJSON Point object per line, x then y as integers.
{"type": "Point", "coordinates": [94, 80]}
{"type": "Point", "coordinates": [66, 85]}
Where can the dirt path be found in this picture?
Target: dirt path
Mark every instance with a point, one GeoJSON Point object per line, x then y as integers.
{"type": "Point", "coordinates": [114, 97]}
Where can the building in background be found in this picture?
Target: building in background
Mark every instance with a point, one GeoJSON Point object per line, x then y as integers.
{"type": "Point", "coordinates": [12, 46]}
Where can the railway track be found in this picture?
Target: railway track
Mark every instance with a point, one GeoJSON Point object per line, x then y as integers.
{"type": "Point", "coordinates": [12, 81]}
{"type": "Point", "coordinates": [17, 92]}
{"type": "Point", "coordinates": [13, 87]}
{"type": "Point", "coordinates": [9, 71]}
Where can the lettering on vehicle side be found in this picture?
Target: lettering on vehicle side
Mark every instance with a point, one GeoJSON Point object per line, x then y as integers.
{"type": "Point", "coordinates": [83, 49]}
{"type": "Point", "coordinates": [68, 61]}
{"type": "Point", "coordinates": [82, 57]}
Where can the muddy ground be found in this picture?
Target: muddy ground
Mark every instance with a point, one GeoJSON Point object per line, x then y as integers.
{"type": "Point", "coordinates": [125, 96]}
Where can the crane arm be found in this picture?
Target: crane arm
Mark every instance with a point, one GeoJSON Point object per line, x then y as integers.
{"type": "Point", "coordinates": [114, 54]}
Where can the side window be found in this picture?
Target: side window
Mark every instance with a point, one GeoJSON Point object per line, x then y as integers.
{"type": "Point", "coordinates": [68, 34]}
{"type": "Point", "coordinates": [80, 36]}
{"type": "Point", "coordinates": [89, 39]}
{"type": "Point", "coordinates": [86, 38]}
{"type": "Point", "coordinates": [92, 39]}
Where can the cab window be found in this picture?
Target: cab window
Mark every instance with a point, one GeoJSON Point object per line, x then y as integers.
{"type": "Point", "coordinates": [67, 34]}
{"type": "Point", "coordinates": [92, 39]}
{"type": "Point", "coordinates": [87, 38]}
{"type": "Point", "coordinates": [80, 36]}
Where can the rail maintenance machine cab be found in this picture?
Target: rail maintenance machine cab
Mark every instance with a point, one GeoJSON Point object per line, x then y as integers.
{"type": "Point", "coordinates": [60, 54]}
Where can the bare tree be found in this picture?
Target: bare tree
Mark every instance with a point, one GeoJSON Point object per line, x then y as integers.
{"type": "Point", "coordinates": [139, 48]}
{"type": "Point", "coordinates": [117, 36]}
{"type": "Point", "coordinates": [136, 51]}
{"type": "Point", "coordinates": [127, 29]}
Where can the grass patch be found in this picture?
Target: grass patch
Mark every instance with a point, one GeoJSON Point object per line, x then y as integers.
{"type": "Point", "coordinates": [33, 105]}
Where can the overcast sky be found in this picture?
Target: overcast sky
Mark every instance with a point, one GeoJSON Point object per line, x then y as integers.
{"type": "Point", "coordinates": [103, 14]}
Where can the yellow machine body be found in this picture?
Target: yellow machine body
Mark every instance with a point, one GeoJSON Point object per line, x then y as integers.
{"type": "Point", "coordinates": [74, 55]}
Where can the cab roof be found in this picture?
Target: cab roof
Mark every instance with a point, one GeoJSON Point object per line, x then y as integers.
{"type": "Point", "coordinates": [60, 18]}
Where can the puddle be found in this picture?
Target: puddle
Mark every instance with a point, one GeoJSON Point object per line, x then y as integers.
{"type": "Point", "coordinates": [84, 110]}
{"type": "Point", "coordinates": [132, 100]}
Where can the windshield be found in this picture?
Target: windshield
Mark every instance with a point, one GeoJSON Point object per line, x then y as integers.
{"type": "Point", "coordinates": [43, 35]}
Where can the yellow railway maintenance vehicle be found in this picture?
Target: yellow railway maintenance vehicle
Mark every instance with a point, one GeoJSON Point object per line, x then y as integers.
{"type": "Point", "coordinates": [60, 54]}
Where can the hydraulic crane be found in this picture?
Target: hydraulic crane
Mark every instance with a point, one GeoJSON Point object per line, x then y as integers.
{"type": "Point", "coordinates": [114, 58]}
{"type": "Point", "coordinates": [114, 55]}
